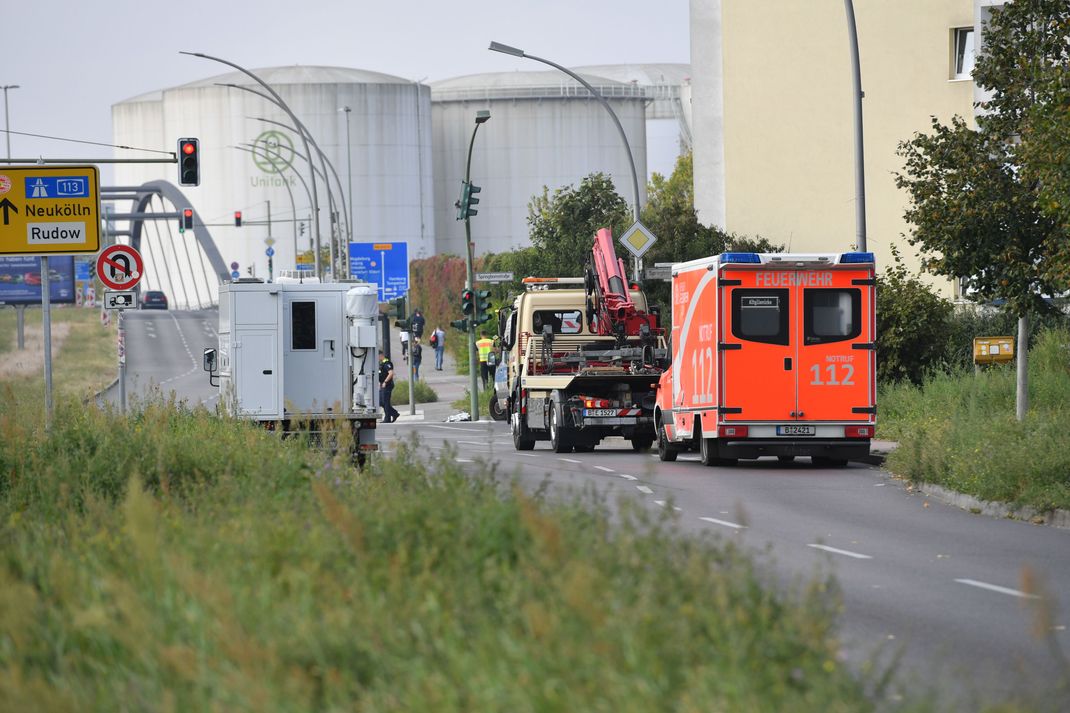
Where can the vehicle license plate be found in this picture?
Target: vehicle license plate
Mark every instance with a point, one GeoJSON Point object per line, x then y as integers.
{"type": "Point", "coordinates": [794, 430]}
{"type": "Point", "coordinates": [600, 412]}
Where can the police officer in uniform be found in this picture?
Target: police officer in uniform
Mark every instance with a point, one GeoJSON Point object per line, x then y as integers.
{"type": "Point", "coordinates": [386, 389]}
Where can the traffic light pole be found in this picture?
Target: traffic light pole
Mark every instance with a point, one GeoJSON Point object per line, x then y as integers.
{"type": "Point", "coordinates": [470, 283]}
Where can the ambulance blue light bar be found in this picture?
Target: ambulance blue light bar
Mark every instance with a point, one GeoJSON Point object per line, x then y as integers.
{"type": "Point", "coordinates": [747, 258]}
{"type": "Point", "coordinates": [856, 257]}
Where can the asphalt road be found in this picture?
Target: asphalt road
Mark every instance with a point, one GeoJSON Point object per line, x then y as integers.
{"type": "Point", "coordinates": [954, 595]}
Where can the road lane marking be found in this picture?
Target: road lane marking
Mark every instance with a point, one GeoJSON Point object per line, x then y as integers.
{"type": "Point", "coordinates": [570, 460]}
{"type": "Point", "coordinates": [475, 443]}
{"type": "Point", "coordinates": [845, 553]}
{"type": "Point", "coordinates": [626, 476]}
{"type": "Point", "coordinates": [726, 523]}
{"type": "Point", "coordinates": [454, 428]}
{"type": "Point", "coordinates": [997, 588]}
{"type": "Point", "coordinates": [529, 455]}
{"type": "Point", "coordinates": [602, 467]}
{"type": "Point", "coordinates": [464, 460]}
{"type": "Point", "coordinates": [663, 503]}
{"type": "Point", "coordinates": [645, 490]}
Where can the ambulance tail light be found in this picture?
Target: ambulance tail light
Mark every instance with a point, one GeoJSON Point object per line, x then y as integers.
{"type": "Point", "coordinates": [858, 432]}
{"type": "Point", "coordinates": [847, 258]}
{"type": "Point", "coordinates": [732, 431]}
{"type": "Point", "coordinates": [740, 258]}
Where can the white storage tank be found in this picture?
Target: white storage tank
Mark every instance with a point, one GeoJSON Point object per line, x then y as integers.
{"type": "Point", "coordinates": [545, 130]}
{"type": "Point", "coordinates": [387, 156]}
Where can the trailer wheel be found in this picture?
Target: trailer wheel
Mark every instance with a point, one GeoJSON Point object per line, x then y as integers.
{"type": "Point", "coordinates": [667, 452]}
{"type": "Point", "coordinates": [522, 440]}
{"type": "Point", "coordinates": [559, 440]}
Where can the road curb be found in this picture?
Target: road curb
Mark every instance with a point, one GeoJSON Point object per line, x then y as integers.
{"type": "Point", "coordinates": [1054, 518]}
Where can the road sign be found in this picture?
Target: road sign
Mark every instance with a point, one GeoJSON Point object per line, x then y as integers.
{"type": "Point", "coordinates": [494, 276]}
{"type": "Point", "coordinates": [637, 239]}
{"type": "Point", "coordinates": [270, 252]}
{"type": "Point", "coordinates": [119, 267]}
{"type": "Point", "coordinates": [234, 266]}
{"type": "Point", "coordinates": [384, 264]}
{"type": "Point", "coordinates": [127, 299]}
{"type": "Point", "coordinates": [234, 275]}
{"type": "Point", "coordinates": [49, 210]}
{"type": "Point", "coordinates": [269, 241]}
{"type": "Point", "coordinates": [658, 272]}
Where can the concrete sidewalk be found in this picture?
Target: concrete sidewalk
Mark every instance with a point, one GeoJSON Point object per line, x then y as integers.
{"type": "Point", "coordinates": [448, 384]}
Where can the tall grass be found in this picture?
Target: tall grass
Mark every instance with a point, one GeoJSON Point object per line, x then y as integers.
{"type": "Point", "coordinates": [959, 429]}
{"type": "Point", "coordinates": [173, 560]}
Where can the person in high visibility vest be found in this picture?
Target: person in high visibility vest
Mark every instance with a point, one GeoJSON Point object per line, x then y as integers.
{"type": "Point", "coordinates": [485, 345]}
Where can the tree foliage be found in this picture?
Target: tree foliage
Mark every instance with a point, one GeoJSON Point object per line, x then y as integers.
{"type": "Point", "coordinates": [976, 205]}
{"type": "Point", "coordinates": [563, 224]}
{"type": "Point", "coordinates": [911, 320]}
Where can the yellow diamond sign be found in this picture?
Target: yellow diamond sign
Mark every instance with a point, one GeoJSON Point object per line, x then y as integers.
{"type": "Point", "coordinates": [637, 239]}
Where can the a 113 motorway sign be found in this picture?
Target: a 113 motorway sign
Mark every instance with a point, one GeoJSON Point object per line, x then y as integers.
{"type": "Point", "coordinates": [49, 210]}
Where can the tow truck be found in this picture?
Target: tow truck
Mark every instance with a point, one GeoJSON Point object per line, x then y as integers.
{"type": "Point", "coordinates": [583, 358]}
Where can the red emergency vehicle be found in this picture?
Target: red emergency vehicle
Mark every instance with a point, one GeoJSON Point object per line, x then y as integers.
{"type": "Point", "coordinates": [772, 355]}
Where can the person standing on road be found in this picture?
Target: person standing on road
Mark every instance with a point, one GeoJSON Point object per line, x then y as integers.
{"type": "Point", "coordinates": [417, 357]}
{"type": "Point", "coordinates": [386, 389]}
{"type": "Point", "coordinates": [438, 343]}
{"type": "Point", "coordinates": [484, 344]}
{"type": "Point", "coordinates": [418, 322]}
{"type": "Point", "coordinates": [404, 336]}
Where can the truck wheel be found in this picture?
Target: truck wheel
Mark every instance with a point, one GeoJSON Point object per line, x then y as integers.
{"type": "Point", "coordinates": [559, 441]}
{"type": "Point", "coordinates": [825, 462]}
{"type": "Point", "coordinates": [522, 440]}
{"type": "Point", "coordinates": [642, 444]}
{"type": "Point", "coordinates": [707, 449]}
{"type": "Point", "coordinates": [666, 451]}
{"type": "Point", "coordinates": [496, 411]}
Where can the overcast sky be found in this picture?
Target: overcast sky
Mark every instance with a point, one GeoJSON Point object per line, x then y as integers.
{"type": "Point", "coordinates": [73, 59]}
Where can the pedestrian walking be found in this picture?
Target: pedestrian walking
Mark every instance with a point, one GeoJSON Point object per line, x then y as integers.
{"type": "Point", "coordinates": [438, 343]}
{"type": "Point", "coordinates": [484, 344]}
{"type": "Point", "coordinates": [404, 336]}
{"type": "Point", "coordinates": [418, 322]}
{"type": "Point", "coordinates": [386, 389]}
{"type": "Point", "coordinates": [417, 357]}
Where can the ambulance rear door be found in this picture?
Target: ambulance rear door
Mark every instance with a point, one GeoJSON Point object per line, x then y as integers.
{"type": "Point", "coordinates": [836, 320]}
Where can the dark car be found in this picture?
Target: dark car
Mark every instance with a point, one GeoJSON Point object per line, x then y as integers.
{"type": "Point", "coordinates": [153, 299]}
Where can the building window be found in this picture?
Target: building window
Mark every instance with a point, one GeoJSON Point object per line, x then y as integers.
{"type": "Point", "coordinates": [962, 57]}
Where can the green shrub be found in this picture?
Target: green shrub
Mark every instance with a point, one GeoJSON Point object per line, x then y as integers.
{"type": "Point", "coordinates": [424, 393]}
{"type": "Point", "coordinates": [465, 402]}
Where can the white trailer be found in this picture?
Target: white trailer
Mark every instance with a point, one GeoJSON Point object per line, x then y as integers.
{"type": "Point", "coordinates": [293, 356]}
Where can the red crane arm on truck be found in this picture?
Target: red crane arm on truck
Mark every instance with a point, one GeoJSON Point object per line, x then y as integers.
{"type": "Point", "coordinates": [609, 305]}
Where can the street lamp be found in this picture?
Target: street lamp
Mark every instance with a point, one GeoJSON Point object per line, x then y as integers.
{"type": "Point", "coordinates": [7, 128]}
{"type": "Point", "coordinates": [860, 172]}
{"type": "Point", "coordinates": [304, 137]}
{"type": "Point", "coordinates": [349, 180]}
{"type": "Point", "coordinates": [482, 116]}
{"type": "Point", "coordinates": [506, 49]}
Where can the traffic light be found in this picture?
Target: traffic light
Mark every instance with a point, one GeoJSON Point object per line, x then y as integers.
{"type": "Point", "coordinates": [482, 306]}
{"type": "Point", "coordinates": [189, 162]}
{"type": "Point", "coordinates": [462, 202]}
{"type": "Point", "coordinates": [187, 220]}
{"type": "Point", "coordinates": [468, 303]}
{"type": "Point", "coordinates": [461, 324]}
{"type": "Point", "coordinates": [237, 219]}
{"type": "Point", "coordinates": [472, 200]}
{"type": "Point", "coordinates": [402, 322]}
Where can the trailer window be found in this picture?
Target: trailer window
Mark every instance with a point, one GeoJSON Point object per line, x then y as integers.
{"type": "Point", "coordinates": [761, 315]}
{"type": "Point", "coordinates": [831, 315]}
{"type": "Point", "coordinates": [561, 322]}
{"type": "Point", "coordinates": [303, 325]}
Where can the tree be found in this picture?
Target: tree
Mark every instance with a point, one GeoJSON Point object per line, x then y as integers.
{"type": "Point", "coordinates": [563, 225]}
{"type": "Point", "coordinates": [975, 208]}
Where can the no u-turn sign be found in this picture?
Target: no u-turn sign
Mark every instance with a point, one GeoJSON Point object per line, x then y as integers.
{"type": "Point", "coordinates": [119, 267]}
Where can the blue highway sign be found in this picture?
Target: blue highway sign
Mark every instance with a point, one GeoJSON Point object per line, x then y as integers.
{"type": "Point", "coordinates": [383, 264]}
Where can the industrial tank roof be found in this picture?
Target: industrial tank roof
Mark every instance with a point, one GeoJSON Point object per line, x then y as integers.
{"type": "Point", "coordinates": [527, 85]}
{"type": "Point", "coordinates": [645, 74]}
{"type": "Point", "coordinates": [295, 74]}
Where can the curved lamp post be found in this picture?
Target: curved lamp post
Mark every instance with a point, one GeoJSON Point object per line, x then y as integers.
{"type": "Point", "coordinates": [506, 49]}
{"type": "Point", "coordinates": [860, 173]}
{"type": "Point", "coordinates": [297, 122]}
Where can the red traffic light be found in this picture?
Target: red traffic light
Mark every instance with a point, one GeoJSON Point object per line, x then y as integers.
{"type": "Point", "coordinates": [237, 218]}
{"type": "Point", "coordinates": [188, 147]}
{"type": "Point", "coordinates": [187, 213]}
